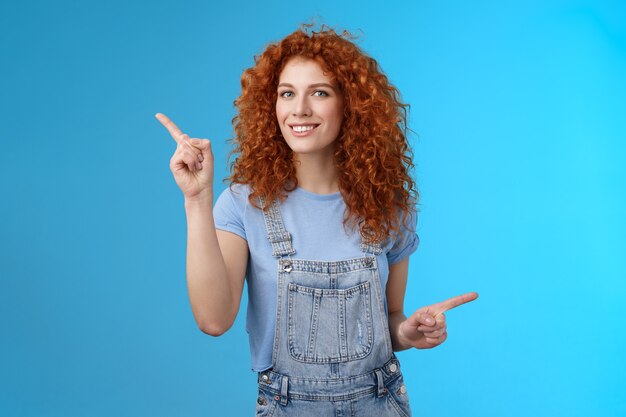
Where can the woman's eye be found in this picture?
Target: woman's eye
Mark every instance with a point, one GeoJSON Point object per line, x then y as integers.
{"type": "Point", "coordinates": [323, 93]}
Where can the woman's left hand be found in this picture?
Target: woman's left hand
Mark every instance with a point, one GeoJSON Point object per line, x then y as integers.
{"type": "Point", "coordinates": [426, 328]}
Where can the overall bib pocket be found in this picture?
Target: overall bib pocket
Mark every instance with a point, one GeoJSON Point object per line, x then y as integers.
{"type": "Point", "coordinates": [328, 325]}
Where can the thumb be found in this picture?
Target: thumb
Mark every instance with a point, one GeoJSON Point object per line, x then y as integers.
{"type": "Point", "coordinates": [203, 144]}
{"type": "Point", "coordinates": [419, 317]}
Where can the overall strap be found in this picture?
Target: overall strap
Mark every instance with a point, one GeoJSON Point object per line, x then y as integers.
{"type": "Point", "coordinates": [373, 248]}
{"type": "Point", "coordinates": [279, 237]}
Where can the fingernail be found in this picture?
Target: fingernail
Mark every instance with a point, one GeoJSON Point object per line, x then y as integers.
{"type": "Point", "coordinates": [429, 321]}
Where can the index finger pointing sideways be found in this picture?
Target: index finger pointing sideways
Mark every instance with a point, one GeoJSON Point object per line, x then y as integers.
{"type": "Point", "coordinates": [175, 132]}
{"type": "Point", "coordinates": [453, 302]}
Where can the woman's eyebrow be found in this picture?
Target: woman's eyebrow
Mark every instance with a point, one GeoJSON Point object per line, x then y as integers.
{"type": "Point", "coordinates": [309, 87]}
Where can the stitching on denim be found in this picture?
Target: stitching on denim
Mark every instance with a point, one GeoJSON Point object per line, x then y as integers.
{"type": "Point", "coordinates": [303, 353]}
{"type": "Point", "coordinates": [396, 405]}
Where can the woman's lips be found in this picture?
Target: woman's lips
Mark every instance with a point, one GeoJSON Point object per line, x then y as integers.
{"type": "Point", "coordinates": [303, 134]}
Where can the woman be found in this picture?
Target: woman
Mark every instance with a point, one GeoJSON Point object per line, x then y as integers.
{"type": "Point", "coordinates": [320, 218]}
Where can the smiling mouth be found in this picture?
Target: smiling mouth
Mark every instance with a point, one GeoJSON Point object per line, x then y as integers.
{"type": "Point", "coordinates": [303, 128]}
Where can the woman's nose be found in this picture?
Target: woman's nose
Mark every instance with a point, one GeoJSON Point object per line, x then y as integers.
{"type": "Point", "coordinates": [302, 107]}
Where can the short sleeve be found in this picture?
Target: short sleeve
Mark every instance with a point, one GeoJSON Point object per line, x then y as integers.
{"type": "Point", "coordinates": [228, 212]}
{"type": "Point", "coordinates": [406, 244]}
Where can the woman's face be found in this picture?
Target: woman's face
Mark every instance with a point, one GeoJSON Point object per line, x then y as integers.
{"type": "Point", "coordinates": [308, 98]}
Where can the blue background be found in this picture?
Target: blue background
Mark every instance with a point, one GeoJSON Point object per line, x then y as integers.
{"type": "Point", "coordinates": [519, 111]}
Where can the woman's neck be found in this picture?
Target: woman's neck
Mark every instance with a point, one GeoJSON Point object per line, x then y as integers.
{"type": "Point", "coordinates": [316, 174]}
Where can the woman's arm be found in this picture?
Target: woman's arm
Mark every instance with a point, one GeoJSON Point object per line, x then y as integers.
{"type": "Point", "coordinates": [405, 333]}
{"type": "Point", "coordinates": [216, 268]}
{"type": "Point", "coordinates": [396, 289]}
{"type": "Point", "coordinates": [216, 261]}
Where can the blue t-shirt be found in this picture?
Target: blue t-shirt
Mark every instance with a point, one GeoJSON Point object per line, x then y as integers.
{"type": "Point", "coordinates": [315, 222]}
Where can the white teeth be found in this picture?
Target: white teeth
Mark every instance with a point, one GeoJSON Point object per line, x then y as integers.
{"type": "Point", "coordinates": [303, 128]}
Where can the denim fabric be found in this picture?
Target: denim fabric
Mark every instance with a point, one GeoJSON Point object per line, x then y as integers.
{"type": "Point", "coordinates": [380, 392]}
{"type": "Point", "coordinates": [332, 353]}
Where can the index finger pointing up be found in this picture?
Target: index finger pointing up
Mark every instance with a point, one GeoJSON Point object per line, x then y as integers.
{"type": "Point", "coordinates": [453, 302]}
{"type": "Point", "coordinates": [170, 126]}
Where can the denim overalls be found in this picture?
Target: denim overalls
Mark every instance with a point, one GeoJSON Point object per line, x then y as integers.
{"type": "Point", "coordinates": [332, 352]}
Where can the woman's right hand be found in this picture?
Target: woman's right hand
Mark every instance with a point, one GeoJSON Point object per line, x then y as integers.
{"type": "Point", "coordinates": [192, 162]}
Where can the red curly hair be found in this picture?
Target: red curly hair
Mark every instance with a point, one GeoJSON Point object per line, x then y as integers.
{"type": "Point", "coordinates": [372, 153]}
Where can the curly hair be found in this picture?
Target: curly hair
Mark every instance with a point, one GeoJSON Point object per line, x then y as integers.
{"type": "Point", "coordinates": [372, 154]}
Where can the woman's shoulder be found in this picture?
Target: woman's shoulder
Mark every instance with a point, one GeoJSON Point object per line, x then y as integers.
{"type": "Point", "coordinates": [233, 200]}
{"type": "Point", "coordinates": [406, 241]}
{"type": "Point", "coordinates": [237, 191]}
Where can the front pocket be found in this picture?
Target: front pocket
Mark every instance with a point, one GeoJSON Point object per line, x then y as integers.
{"type": "Point", "coordinates": [329, 325]}
{"type": "Point", "coordinates": [398, 396]}
{"type": "Point", "coordinates": [265, 403]}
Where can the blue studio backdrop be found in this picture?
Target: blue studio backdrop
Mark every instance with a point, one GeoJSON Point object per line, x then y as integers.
{"type": "Point", "coordinates": [519, 114]}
